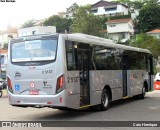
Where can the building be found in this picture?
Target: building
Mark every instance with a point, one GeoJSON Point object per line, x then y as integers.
{"type": "Point", "coordinates": [155, 33]}
{"type": "Point", "coordinates": [69, 14]}
{"type": "Point", "coordinates": [120, 29]}
{"type": "Point", "coordinates": [3, 56]}
{"type": "Point", "coordinates": [36, 30]}
{"type": "Point", "coordinates": [6, 35]}
{"type": "Point", "coordinates": [134, 13]}
{"type": "Point", "coordinates": [108, 9]}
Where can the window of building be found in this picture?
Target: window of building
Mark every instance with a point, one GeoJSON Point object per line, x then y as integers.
{"type": "Point", "coordinates": [110, 9]}
{"type": "Point", "coordinates": [94, 11]}
{"type": "Point", "coordinates": [112, 25]}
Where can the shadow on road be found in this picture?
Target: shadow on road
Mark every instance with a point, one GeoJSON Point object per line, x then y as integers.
{"type": "Point", "coordinates": [74, 114]}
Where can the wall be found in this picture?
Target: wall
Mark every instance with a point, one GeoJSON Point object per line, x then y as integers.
{"type": "Point", "coordinates": [120, 27]}
{"type": "Point", "coordinates": [118, 9]}
{"type": "Point", "coordinates": [36, 30]}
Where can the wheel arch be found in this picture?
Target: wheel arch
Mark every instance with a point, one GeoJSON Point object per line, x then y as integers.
{"type": "Point", "coordinates": [145, 84]}
{"type": "Point", "coordinates": [108, 88]}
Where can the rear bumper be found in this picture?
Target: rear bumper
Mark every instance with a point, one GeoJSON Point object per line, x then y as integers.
{"type": "Point", "coordinates": [38, 100]}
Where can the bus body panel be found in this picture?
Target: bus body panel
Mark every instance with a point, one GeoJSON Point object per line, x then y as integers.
{"type": "Point", "coordinates": [102, 78]}
{"type": "Point", "coordinates": [41, 78]}
{"type": "Point", "coordinates": [136, 81]}
{"type": "Point", "coordinates": [73, 89]}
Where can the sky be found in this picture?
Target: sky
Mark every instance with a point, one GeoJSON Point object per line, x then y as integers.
{"type": "Point", "coordinates": [16, 13]}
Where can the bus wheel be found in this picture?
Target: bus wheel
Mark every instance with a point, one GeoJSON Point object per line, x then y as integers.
{"type": "Point", "coordinates": [105, 100]}
{"type": "Point", "coordinates": [0, 93]}
{"type": "Point", "coordinates": [143, 93]}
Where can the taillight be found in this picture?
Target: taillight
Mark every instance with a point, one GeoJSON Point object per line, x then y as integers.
{"type": "Point", "coordinates": [9, 85]}
{"type": "Point", "coordinates": [60, 84]}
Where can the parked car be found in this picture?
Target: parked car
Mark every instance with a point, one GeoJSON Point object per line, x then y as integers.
{"type": "Point", "coordinates": [157, 77]}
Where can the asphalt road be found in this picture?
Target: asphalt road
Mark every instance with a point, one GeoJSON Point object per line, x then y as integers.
{"type": "Point", "coordinates": [122, 110]}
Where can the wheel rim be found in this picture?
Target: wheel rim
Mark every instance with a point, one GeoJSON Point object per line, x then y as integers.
{"type": "Point", "coordinates": [105, 99]}
{"type": "Point", "coordinates": [144, 91]}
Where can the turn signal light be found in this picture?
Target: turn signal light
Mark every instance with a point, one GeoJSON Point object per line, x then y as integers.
{"type": "Point", "coordinates": [9, 85]}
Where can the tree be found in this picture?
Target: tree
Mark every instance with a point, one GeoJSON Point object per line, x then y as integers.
{"type": "Point", "coordinates": [61, 24]}
{"type": "Point", "coordinates": [137, 4]}
{"type": "Point", "coordinates": [5, 47]}
{"type": "Point", "coordinates": [29, 23]}
{"type": "Point", "coordinates": [149, 16]}
{"type": "Point", "coordinates": [85, 22]}
{"type": "Point", "coordinates": [73, 7]}
{"type": "Point", "coordinates": [148, 42]}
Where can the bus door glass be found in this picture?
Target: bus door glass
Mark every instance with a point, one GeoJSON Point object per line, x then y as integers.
{"type": "Point", "coordinates": [150, 73]}
{"type": "Point", "coordinates": [83, 65]}
{"type": "Point", "coordinates": [125, 66]}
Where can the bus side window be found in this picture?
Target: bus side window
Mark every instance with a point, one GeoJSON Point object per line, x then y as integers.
{"type": "Point", "coordinates": [70, 55]}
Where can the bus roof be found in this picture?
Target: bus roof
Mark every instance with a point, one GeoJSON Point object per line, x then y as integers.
{"type": "Point", "coordinates": [94, 40]}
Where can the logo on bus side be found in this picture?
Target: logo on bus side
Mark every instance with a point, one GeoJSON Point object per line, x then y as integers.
{"type": "Point", "coordinates": [32, 85]}
{"type": "Point", "coordinates": [17, 75]}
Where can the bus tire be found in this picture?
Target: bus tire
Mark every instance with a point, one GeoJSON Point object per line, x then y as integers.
{"type": "Point", "coordinates": [105, 100]}
{"type": "Point", "coordinates": [142, 96]}
{"type": "Point", "coordinates": [0, 93]}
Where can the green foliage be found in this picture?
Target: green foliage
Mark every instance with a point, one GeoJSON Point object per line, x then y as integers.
{"type": "Point", "coordinates": [149, 16]}
{"type": "Point", "coordinates": [120, 17]}
{"type": "Point", "coordinates": [29, 23]}
{"type": "Point", "coordinates": [5, 47]}
{"type": "Point", "coordinates": [148, 42]}
{"type": "Point", "coordinates": [136, 4]}
{"type": "Point", "coordinates": [61, 24]}
{"type": "Point", "coordinates": [86, 22]}
{"type": "Point", "coordinates": [73, 7]}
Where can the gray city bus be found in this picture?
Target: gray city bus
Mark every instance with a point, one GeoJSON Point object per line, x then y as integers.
{"type": "Point", "coordinates": [75, 71]}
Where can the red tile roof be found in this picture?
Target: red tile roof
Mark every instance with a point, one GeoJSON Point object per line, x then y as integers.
{"type": "Point", "coordinates": [154, 31]}
{"type": "Point", "coordinates": [10, 30]}
{"type": "Point", "coordinates": [103, 31]}
{"type": "Point", "coordinates": [3, 51]}
{"type": "Point", "coordinates": [119, 20]}
{"type": "Point", "coordinates": [102, 3]}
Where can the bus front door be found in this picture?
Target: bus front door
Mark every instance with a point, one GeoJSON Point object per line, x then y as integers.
{"type": "Point", "coordinates": [150, 74]}
{"type": "Point", "coordinates": [125, 66]}
{"type": "Point", "coordinates": [83, 63]}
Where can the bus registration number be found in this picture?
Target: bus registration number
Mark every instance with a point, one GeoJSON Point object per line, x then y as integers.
{"type": "Point", "coordinates": [33, 92]}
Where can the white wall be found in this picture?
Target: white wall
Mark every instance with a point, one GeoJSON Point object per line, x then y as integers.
{"type": "Point", "coordinates": [117, 31]}
{"type": "Point", "coordinates": [157, 35]}
{"type": "Point", "coordinates": [120, 27]}
{"type": "Point", "coordinates": [120, 9]}
{"type": "Point", "coordinates": [5, 39]}
{"type": "Point", "coordinates": [36, 30]}
{"type": "Point", "coordinates": [68, 15]}
{"type": "Point", "coordinates": [117, 36]}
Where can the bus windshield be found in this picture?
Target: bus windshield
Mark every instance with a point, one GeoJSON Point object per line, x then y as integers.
{"type": "Point", "coordinates": [35, 50]}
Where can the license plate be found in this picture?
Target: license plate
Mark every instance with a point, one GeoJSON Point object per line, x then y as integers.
{"type": "Point", "coordinates": [33, 92]}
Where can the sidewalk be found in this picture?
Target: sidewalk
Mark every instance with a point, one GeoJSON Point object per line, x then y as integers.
{"type": "Point", "coordinates": [154, 91]}
{"type": "Point", "coordinates": [4, 95]}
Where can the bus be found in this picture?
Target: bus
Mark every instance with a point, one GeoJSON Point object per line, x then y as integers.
{"type": "Point", "coordinates": [75, 71]}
